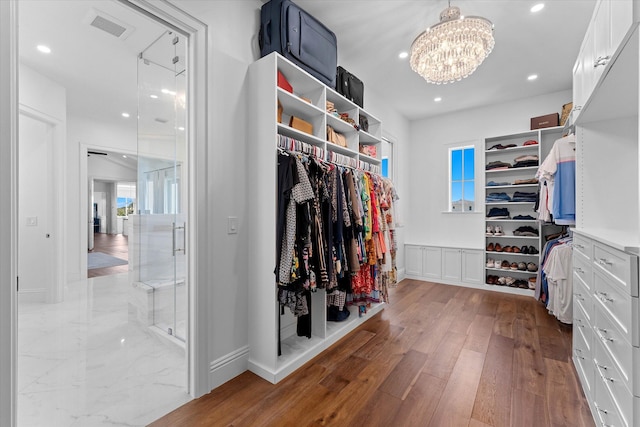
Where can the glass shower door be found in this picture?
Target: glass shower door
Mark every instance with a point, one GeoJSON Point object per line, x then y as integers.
{"type": "Point", "coordinates": [162, 182]}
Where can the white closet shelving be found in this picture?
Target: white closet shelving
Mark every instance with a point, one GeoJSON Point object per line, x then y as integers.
{"type": "Point", "coordinates": [264, 131]}
{"type": "Point", "coordinates": [506, 179]}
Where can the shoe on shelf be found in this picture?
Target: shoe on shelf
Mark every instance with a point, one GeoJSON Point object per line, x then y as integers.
{"type": "Point", "coordinates": [514, 266]}
{"type": "Point", "coordinates": [533, 250]}
{"type": "Point", "coordinates": [522, 266]}
{"type": "Point", "coordinates": [516, 250]}
{"type": "Point", "coordinates": [491, 263]}
{"type": "Point", "coordinates": [491, 280]}
{"type": "Point", "coordinates": [498, 247]}
{"type": "Point", "coordinates": [532, 267]}
{"type": "Point", "coordinates": [507, 249]}
{"type": "Point", "coordinates": [532, 282]}
{"type": "Point", "coordinates": [505, 265]}
{"type": "Point", "coordinates": [489, 230]}
{"type": "Point", "coordinates": [509, 281]}
{"type": "Point", "coordinates": [490, 247]}
{"type": "Point", "coordinates": [524, 249]}
{"type": "Point", "coordinates": [522, 284]}
{"type": "Point", "coordinates": [501, 281]}
{"type": "Point", "coordinates": [498, 231]}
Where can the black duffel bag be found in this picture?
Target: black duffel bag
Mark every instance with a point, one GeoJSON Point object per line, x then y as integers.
{"type": "Point", "coordinates": [350, 86]}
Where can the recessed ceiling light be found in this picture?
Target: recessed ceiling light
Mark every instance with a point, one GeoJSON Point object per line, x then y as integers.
{"type": "Point", "coordinates": [532, 77]}
{"type": "Point", "coordinates": [180, 128]}
{"type": "Point", "coordinates": [437, 99]}
{"type": "Point", "coordinates": [126, 115]}
{"type": "Point", "coordinates": [124, 156]}
{"type": "Point", "coordinates": [403, 55]}
{"type": "Point", "coordinates": [153, 96]}
{"type": "Point", "coordinates": [537, 8]}
{"type": "Point", "coordinates": [44, 49]}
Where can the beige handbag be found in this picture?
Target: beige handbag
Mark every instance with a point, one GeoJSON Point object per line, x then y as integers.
{"type": "Point", "coordinates": [335, 137]}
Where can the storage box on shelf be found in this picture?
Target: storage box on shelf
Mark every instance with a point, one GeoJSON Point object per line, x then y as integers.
{"type": "Point", "coordinates": [513, 233]}
{"type": "Point", "coordinates": [307, 101]}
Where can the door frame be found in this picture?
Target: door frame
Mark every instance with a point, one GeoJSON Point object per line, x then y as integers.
{"type": "Point", "coordinates": [198, 246]}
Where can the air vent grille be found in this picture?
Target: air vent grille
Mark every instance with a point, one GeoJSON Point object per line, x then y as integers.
{"type": "Point", "coordinates": [108, 26]}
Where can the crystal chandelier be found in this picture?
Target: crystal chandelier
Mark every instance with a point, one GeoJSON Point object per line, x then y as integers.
{"type": "Point", "coordinates": [452, 49]}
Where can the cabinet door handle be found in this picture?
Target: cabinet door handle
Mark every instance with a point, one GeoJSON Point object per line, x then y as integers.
{"type": "Point", "coordinates": [604, 411]}
{"type": "Point", "coordinates": [579, 270]}
{"type": "Point", "coordinates": [603, 338]}
{"type": "Point", "coordinates": [602, 367]}
{"type": "Point", "coordinates": [608, 379]}
{"type": "Point", "coordinates": [601, 60]}
{"type": "Point", "coordinates": [578, 245]}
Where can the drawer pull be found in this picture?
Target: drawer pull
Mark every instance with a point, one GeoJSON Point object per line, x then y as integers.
{"type": "Point", "coordinates": [603, 367]}
{"type": "Point", "coordinates": [604, 411]}
{"type": "Point", "coordinates": [600, 61]}
{"type": "Point", "coordinates": [579, 270]}
{"type": "Point", "coordinates": [609, 379]}
{"type": "Point", "coordinates": [579, 350]}
{"type": "Point", "coordinates": [602, 337]}
{"type": "Point", "coordinates": [578, 245]}
{"type": "Point", "coordinates": [605, 262]}
{"type": "Point", "coordinates": [604, 297]}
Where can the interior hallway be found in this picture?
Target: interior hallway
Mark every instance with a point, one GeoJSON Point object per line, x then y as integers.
{"type": "Point", "coordinates": [116, 245]}
{"type": "Point", "coordinates": [438, 355]}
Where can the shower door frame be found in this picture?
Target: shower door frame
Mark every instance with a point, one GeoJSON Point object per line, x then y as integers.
{"type": "Point", "coordinates": [197, 268]}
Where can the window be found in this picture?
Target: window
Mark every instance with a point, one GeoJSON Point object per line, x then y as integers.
{"type": "Point", "coordinates": [387, 158]}
{"type": "Point", "coordinates": [126, 198]}
{"type": "Point", "coordinates": [462, 179]}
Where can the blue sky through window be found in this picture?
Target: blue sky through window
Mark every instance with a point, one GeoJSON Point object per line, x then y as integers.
{"type": "Point", "coordinates": [462, 176]}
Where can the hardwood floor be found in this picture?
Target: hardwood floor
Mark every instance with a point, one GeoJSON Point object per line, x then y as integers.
{"type": "Point", "coordinates": [116, 245]}
{"type": "Point", "coordinates": [437, 355]}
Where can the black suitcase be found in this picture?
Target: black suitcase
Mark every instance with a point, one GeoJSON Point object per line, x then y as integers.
{"type": "Point", "coordinates": [350, 86]}
{"type": "Point", "coordinates": [287, 29]}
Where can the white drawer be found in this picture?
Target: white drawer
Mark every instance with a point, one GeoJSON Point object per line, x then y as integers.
{"type": "Point", "coordinates": [582, 332]}
{"type": "Point", "coordinates": [619, 348]}
{"type": "Point", "coordinates": [586, 371]}
{"type": "Point", "coordinates": [620, 266]}
{"type": "Point", "coordinates": [583, 246]}
{"type": "Point", "coordinates": [583, 297]}
{"type": "Point", "coordinates": [582, 269]}
{"type": "Point", "coordinates": [607, 372]}
{"type": "Point", "coordinates": [617, 305]}
{"type": "Point", "coordinates": [606, 411]}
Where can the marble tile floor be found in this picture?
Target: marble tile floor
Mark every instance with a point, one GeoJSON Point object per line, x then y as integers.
{"type": "Point", "coordinates": [86, 361]}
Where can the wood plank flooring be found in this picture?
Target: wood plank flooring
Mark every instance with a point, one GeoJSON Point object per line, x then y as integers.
{"type": "Point", "coordinates": [116, 245]}
{"type": "Point", "coordinates": [437, 355]}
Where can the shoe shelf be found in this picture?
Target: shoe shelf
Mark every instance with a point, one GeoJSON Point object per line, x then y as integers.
{"type": "Point", "coordinates": [504, 270]}
{"type": "Point", "coordinates": [505, 254]}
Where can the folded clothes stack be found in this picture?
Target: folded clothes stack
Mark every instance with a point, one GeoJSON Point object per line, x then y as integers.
{"type": "Point", "coordinates": [495, 184]}
{"type": "Point", "coordinates": [520, 196]}
{"type": "Point", "coordinates": [521, 217]}
{"type": "Point", "coordinates": [498, 165]}
{"type": "Point", "coordinates": [525, 230]}
{"type": "Point", "coordinates": [331, 109]}
{"type": "Point", "coordinates": [525, 181]}
{"type": "Point", "coordinates": [498, 197]}
{"type": "Point", "coordinates": [502, 147]}
{"type": "Point", "coordinates": [499, 213]}
{"type": "Point", "coordinates": [526, 161]}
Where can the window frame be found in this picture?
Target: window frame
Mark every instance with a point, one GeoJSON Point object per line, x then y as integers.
{"type": "Point", "coordinates": [450, 181]}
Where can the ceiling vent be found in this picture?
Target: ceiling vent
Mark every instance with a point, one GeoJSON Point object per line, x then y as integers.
{"type": "Point", "coordinates": [107, 23]}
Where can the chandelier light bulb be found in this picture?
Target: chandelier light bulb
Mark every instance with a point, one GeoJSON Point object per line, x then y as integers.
{"type": "Point", "coordinates": [452, 49]}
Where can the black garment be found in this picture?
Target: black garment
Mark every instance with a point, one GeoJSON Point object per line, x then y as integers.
{"type": "Point", "coordinates": [286, 181]}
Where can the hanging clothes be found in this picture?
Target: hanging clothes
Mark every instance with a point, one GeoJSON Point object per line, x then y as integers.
{"type": "Point", "coordinates": [556, 176]}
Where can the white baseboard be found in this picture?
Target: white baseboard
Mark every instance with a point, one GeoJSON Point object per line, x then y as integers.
{"type": "Point", "coordinates": [228, 366]}
{"type": "Point", "coordinates": [32, 295]}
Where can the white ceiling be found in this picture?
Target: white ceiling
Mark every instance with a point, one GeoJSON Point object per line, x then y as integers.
{"type": "Point", "coordinates": [97, 68]}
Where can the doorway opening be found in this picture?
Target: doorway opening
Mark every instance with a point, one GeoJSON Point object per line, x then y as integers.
{"type": "Point", "coordinates": [91, 355]}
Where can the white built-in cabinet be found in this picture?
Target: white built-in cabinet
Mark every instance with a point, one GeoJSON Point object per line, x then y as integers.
{"type": "Point", "coordinates": [606, 334]}
{"type": "Point", "coordinates": [455, 266]}
{"type": "Point", "coordinates": [607, 30]}
{"type": "Point", "coordinates": [308, 102]}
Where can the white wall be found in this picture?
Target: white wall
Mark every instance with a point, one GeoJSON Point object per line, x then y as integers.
{"type": "Point", "coordinates": [428, 166]}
